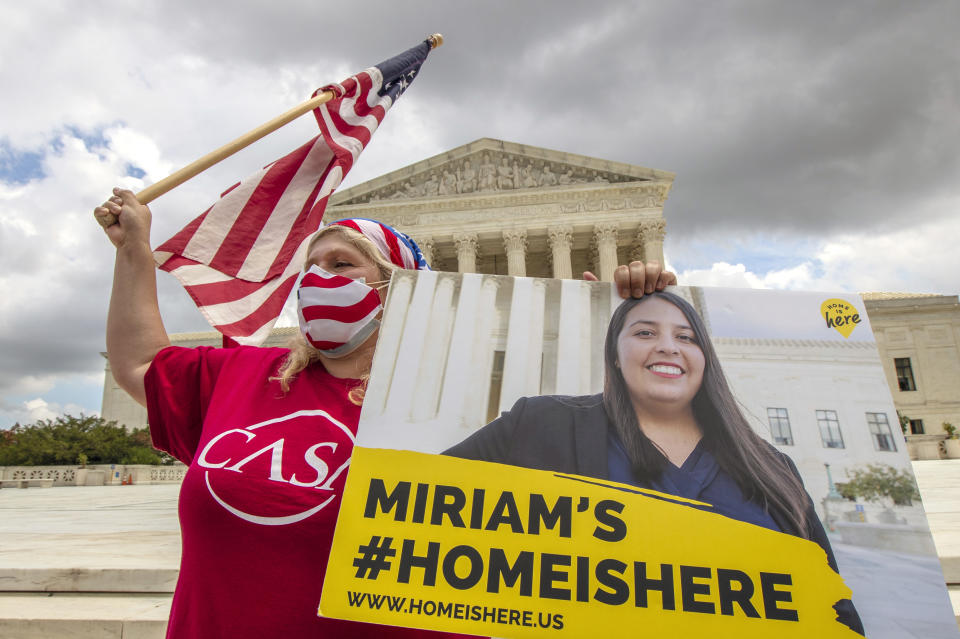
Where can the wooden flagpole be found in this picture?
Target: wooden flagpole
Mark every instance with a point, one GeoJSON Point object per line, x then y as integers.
{"type": "Point", "coordinates": [200, 165]}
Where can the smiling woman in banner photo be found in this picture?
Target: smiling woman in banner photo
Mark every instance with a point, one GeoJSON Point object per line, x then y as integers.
{"type": "Point", "coordinates": [667, 421]}
{"type": "Point", "coordinates": [267, 432]}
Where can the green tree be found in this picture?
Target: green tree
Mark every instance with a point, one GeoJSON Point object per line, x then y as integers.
{"type": "Point", "coordinates": [69, 439]}
{"type": "Point", "coordinates": [874, 482]}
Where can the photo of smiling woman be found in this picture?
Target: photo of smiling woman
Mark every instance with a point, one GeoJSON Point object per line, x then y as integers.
{"type": "Point", "coordinates": [666, 420]}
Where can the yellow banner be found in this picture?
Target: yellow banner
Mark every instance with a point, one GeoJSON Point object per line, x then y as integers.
{"type": "Point", "coordinates": [448, 544]}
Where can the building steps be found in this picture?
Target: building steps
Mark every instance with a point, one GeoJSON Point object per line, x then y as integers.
{"type": "Point", "coordinates": [83, 615]}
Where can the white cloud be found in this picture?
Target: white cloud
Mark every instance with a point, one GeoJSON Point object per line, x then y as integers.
{"type": "Point", "coordinates": [139, 150]}
{"type": "Point", "coordinates": [33, 410]}
{"type": "Point", "coordinates": [918, 258]}
{"type": "Point", "coordinates": [39, 409]}
{"type": "Point", "coordinates": [721, 274]}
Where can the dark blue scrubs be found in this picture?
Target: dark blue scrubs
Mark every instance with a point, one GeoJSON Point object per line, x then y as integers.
{"type": "Point", "coordinates": [700, 478]}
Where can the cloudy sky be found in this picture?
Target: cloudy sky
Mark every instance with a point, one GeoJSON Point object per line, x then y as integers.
{"type": "Point", "coordinates": [815, 143]}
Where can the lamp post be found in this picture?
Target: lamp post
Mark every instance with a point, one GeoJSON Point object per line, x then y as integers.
{"type": "Point", "coordinates": [832, 493]}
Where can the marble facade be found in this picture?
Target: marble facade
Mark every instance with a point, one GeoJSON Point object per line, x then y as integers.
{"type": "Point", "coordinates": [922, 334]}
{"type": "Point", "coordinates": [502, 208]}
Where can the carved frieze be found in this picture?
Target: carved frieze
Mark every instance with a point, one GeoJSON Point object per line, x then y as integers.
{"type": "Point", "coordinates": [494, 172]}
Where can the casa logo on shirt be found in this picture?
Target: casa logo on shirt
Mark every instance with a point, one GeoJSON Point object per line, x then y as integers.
{"type": "Point", "coordinates": [279, 471]}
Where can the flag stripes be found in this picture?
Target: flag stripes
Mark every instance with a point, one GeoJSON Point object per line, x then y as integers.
{"type": "Point", "coordinates": [334, 307]}
{"type": "Point", "coordinates": [240, 259]}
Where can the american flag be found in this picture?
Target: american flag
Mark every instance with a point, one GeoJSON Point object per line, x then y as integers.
{"type": "Point", "coordinates": [240, 259]}
{"type": "Point", "coordinates": [336, 308]}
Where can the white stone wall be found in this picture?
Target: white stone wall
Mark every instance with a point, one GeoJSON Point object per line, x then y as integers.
{"type": "Point", "coordinates": [804, 376]}
{"type": "Point", "coordinates": [926, 329]}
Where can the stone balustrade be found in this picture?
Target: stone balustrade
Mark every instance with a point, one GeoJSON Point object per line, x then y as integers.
{"type": "Point", "coordinates": [96, 474]}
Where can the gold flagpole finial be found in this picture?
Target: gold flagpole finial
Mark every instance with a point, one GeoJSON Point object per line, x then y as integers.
{"type": "Point", "coordinates": [435, 40]}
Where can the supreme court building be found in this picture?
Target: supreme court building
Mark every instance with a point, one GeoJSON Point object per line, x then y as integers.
{"type": "Point", "coordinates": [508, 209]}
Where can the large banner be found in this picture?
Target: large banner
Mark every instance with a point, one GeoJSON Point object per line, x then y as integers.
{"type": "Point", "coordinates": [533, 522]}
{"type": "Point", "coordinates": [479, 548]}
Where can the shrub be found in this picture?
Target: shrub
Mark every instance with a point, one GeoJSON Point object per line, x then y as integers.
{"type": "Point", "coordinates": [876, 482]}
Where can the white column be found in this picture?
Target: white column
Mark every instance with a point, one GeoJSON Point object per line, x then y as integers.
{"type": "Point", "coordinates": [466, 374]}
{"type": "Point", "coordinates": [522, 362]}
{"type": "Point", "coordinates": [466, 244]}
{"type": "Point", "coordinates": [515, 243]}
{"type": "Point", "coordinates": [440, 324]}
{"type": "Point", "coordinates": [561, 241]}
{"type": "Point", "coordinates": [653, 232]}
{"type": "Point", "coordinates": [407, 363]}
{"type": "Point", "coordinates": [388, 342]}
{"type": "Point", "coordinates": [573, 339]}
{"type": "Point", "coordinates": [605, 236]}
{"type": "Point", "coordinates": [475, 408]}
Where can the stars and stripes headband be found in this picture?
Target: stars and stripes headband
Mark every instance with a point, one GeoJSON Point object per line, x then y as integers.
{"type": "Point", "coordinates": [399, 248]}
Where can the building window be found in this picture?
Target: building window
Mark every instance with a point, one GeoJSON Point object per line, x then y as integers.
{"type": "Point", "coordinates": [880, 429]}
{"type": "Point", "coordinates": [904, 374]}
{"type": "Point", "coordinates": [916, 427]}
{"type": "Point", "coordinates": [780, 426]}
{"type": "Point", "coordinates": [829, 429]}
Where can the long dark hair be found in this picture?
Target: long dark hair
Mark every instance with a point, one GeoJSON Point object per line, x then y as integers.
{"type": "Point", "coordinates": [761, 473]}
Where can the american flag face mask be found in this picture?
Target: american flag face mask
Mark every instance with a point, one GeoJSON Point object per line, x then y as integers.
{"type": "Point", "coordinates": [337, 314]}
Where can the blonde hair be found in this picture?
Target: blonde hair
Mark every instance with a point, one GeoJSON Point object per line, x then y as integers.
{"type": "Point", "coordinates": [302, 353]}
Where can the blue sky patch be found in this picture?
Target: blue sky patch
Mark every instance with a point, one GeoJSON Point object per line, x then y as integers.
{"type": "Point", "coordinates": [19, 166]}
{"type": "Point", "coordinates": [79, 390]}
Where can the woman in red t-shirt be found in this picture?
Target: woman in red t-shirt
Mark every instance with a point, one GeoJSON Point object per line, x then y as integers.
{"type": "Point", "coordinates": [267, 432]}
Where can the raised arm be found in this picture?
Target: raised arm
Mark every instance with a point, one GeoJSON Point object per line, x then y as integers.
{"type": "Point", "coordinates": [135, 332]}
{"type": "Point", "coordinates": [637, 278]}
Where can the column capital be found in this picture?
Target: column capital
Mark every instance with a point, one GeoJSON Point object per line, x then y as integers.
{"type": "Point", "coordinates": [652, 230]}
{"type": "Point", "coordinates": [515, 240]}
{"type": "Point", "coordinates": [515, 243]}
{"type": "Point", "coordinates": [604, 233]}
{"type": "Point", "coordinates": [560, 237]}
{"type": "Point", "coordinates": [605, 241]}
{"type": "Point", "coordinates": [428, 247]}
{"type": "Point", "coordinates": [465, 242]}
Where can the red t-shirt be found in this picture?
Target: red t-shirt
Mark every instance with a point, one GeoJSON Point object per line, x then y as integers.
{"type": "Point", "coordinates": [260, 499]}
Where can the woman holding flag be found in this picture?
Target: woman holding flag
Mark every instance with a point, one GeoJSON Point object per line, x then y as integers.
{"type": "Point", "coordinates": [267, 432]}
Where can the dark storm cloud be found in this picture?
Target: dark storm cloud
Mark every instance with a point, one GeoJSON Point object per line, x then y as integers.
{"type": "Point", "coordinates": [813, 117]}
{"type": "Point", "coordinates": [789, 120]}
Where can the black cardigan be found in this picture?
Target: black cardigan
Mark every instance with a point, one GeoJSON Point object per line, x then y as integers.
{"type": "Point", "coordinates": [569, 435]}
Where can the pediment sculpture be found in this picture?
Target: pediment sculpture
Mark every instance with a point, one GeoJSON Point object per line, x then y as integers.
{"type": "Point", "coordinates": [486, 172]}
